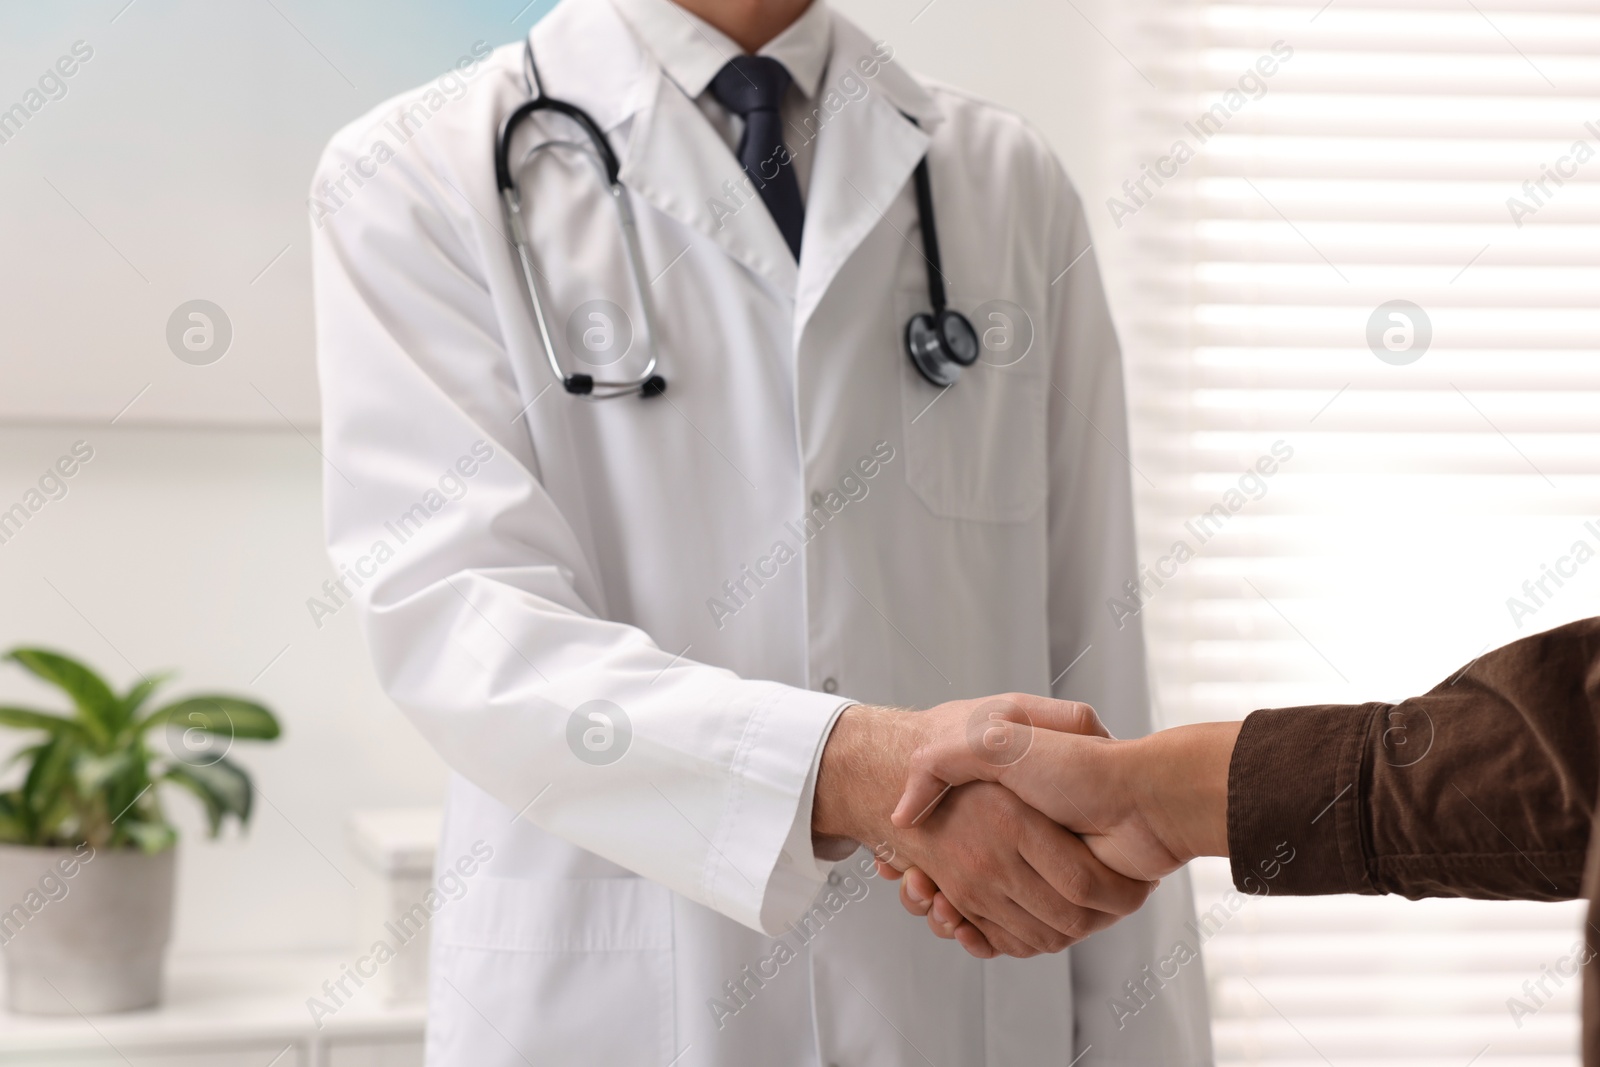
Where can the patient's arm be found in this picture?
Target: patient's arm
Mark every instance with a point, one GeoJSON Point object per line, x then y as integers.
{"type": "Point", "coordinates": [1483, 787]}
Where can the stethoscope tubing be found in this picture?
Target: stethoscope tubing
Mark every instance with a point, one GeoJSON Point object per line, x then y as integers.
{"type": "Point", "coordinates": [939, 344]}
{"type": "Point", "coordinates": [582, 385]}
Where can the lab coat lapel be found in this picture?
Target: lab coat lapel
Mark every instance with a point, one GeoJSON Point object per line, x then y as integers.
{"type": "Point", "coordinates": [866, 151]}
{"type": "Point", "coordinates": [588, 56]}
{"type": "Point", "coordinates": [679, 164]}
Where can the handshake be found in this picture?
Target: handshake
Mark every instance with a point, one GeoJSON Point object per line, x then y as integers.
{"type": "Point", "coordinates": [1018, 824]}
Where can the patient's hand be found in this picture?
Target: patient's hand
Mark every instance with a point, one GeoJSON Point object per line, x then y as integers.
{"type": "Point", "coordinates": [1058, 758]}
{"type": "Point", "coordinates": [1144, 808]}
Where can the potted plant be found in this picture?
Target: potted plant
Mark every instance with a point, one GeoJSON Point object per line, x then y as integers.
{"type": "Point", "coordinates": [86, 854]}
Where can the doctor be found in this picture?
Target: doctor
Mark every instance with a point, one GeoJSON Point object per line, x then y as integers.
{"type": "Point", "coordinates": [659, 637]}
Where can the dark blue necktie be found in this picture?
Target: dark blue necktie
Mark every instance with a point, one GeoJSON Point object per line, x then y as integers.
{"type": "Point", "coordinates": [752, 87]}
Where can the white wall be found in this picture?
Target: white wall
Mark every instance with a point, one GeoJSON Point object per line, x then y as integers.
{"type": "Point", "coordinates": [197, 550]}
{"type": "Point", "coordinates": [174, 164]}
{"type": "Point", "coordinates": [1055, 63]}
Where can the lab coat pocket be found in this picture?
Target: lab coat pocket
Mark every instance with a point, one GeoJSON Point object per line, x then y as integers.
{"type": "Point", "coordinates": [976, 450]}
{"type": "Point", "coordinates": [554, 971]}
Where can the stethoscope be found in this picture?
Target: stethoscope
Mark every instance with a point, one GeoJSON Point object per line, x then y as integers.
{"type": "Point", "coordinates": [939, 342]}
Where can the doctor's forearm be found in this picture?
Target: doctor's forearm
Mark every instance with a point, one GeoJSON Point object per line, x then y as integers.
{"type": "Point", "coordinates": [857, 779]}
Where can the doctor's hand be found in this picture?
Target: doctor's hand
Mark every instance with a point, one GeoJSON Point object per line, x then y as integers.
{"type": "Point", "coordinates": [1143, 807]}
{"type": "Point", "coordinates": [1058, 758]}
{"type": "Point", "coordinates": [1023, 883]}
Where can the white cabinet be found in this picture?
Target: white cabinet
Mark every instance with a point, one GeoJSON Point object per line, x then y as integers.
{"type": "Point", "coordinates": [233, 1011]}
{"type": "Point", "coordinates": [374, 1054]}
{"type": "Point", "coordinates": [242, 1056]}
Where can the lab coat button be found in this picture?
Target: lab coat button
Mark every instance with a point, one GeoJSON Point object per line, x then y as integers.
{"type": "Point", "coordinates": [830, 685]}
{"type": "Point", "coordinates": [816, 498]}
{"type": "Point", "coordinates": [833, 878]}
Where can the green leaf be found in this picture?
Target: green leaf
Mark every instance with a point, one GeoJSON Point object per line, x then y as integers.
{"type": "Point", "coordinates": [95, 701]}
{"type": "Point", "coordinates": [151, 837]}
{"type": "Point", "coordinates": [213, 805]}
{"type": "Point", "coordinates": [26, 754]}
{"type": "Point", "coordinates": [28, 719]}
{"type": "Point", "coordinates": [218, 714]}
{"type": "Point", "coordinates": [50, 768]}
{"type": "Point", "coordinates": [223, 787]}
{"type": "Point", "coordinates": [140, 692]}
{"type": "Point", "coordinates": [97, 774]}
{"type": "Point", "coordinates": [14, 824]}
{"type": "Point", "coordinates": [18, 797]}
{"type": "Point", "coordinates": [44, 789]}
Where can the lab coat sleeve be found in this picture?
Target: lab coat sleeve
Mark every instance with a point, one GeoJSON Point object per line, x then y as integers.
{"type": "Point", "coordinates": [478, 598]}
{"type": "Point", "coordinates": [1099, 658]}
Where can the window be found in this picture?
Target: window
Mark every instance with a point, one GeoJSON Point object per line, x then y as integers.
{"type": "Point", "coordinates": [1359, 243]}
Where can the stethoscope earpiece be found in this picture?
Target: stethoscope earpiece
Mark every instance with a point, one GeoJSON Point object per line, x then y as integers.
{"type": "Point", "coordinates": [584, 385]}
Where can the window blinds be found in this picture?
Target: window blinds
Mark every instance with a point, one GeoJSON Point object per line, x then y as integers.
{"type": "Point", "coordinates": [1292, 177]}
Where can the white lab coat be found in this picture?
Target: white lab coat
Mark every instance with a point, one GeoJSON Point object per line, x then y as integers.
{"type": "Point", "coordinates": [628, 552]}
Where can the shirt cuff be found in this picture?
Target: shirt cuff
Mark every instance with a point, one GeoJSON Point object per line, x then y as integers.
{"type": "Point", "coordinates": [798, 875]}
{"type": "Point", "coordinates": [1296, 789]}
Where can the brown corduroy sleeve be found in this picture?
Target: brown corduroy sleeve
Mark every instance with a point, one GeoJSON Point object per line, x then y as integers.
{"type": "Point", "coordinates": [1483, 787]}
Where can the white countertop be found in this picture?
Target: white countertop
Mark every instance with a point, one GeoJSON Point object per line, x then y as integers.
{"type": "Point", "coordinates": [227, 1000]}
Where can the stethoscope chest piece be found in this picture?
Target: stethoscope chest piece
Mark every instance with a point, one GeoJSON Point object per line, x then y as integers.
{"type": "Point", "coordinates": [940, 344]}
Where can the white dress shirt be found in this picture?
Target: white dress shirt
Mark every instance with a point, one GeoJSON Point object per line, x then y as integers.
{"type": "Point", "coordinates": [691, 51]}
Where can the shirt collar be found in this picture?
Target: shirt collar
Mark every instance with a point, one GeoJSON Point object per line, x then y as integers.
{"type": "Point", "coordinates": [691, 50]}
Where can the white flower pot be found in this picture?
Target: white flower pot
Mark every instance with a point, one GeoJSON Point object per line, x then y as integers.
{"type": "Point", "coordinates": [84, 931]}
